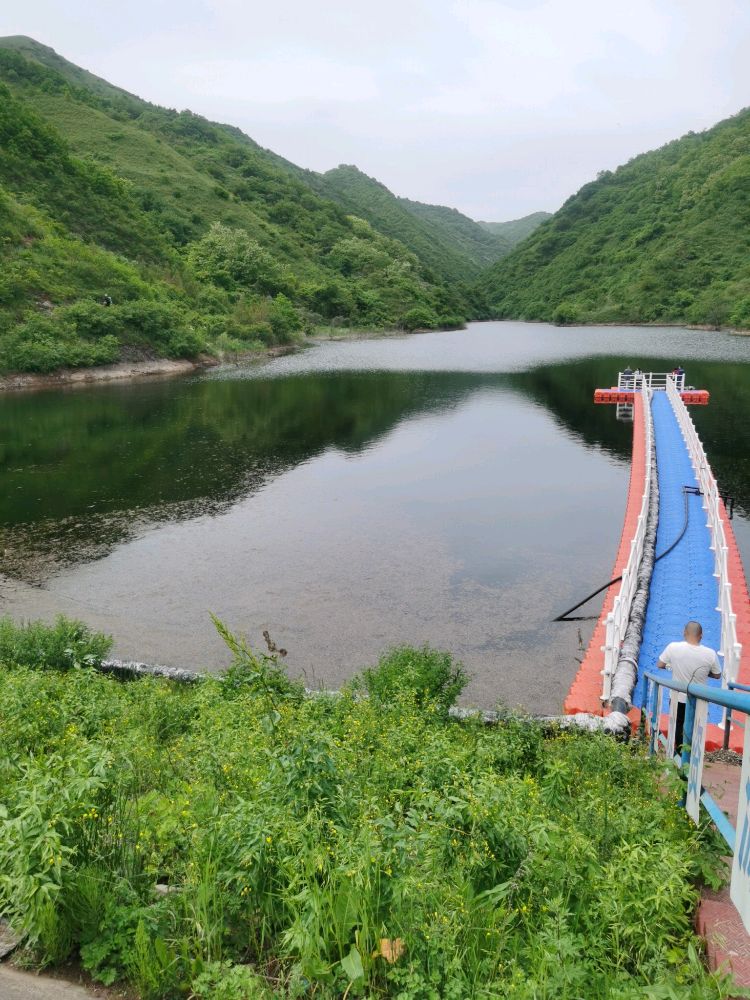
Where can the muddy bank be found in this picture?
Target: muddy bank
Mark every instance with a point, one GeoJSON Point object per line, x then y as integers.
{"type": "Point", "coordinates": [149, 368]}
{"type": "Point", "coordinates": [131, 370]}
{"type": "Point", "coordinates": [163, 367]}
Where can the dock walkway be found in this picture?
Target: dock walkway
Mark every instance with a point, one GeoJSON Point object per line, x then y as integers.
{"type": "Point", "coordinates": [684, 584]}
{"type": "Point", "coordinates": [699, 576]}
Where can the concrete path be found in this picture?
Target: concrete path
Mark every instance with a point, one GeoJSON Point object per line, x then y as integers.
{"type": "Point", "coordinates": [18, 985]}
{"type": "Point", "coordinates": [727, 942]}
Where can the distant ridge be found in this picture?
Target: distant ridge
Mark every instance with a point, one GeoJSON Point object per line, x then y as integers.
{"type": "Point", "coordinates": [663, 239]}
{"type": "Point", "coordinates": [517, 230]}
{"type": "Point", "coordinates": [451, 244]}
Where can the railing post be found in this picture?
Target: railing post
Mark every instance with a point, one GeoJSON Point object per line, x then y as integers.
{"type": "Point", "coordinates": [727, 727]}
{"type": "Point", "coordinates": [687, 738]}
{"type": "Point", "coordinates": [687, 729]}
{"type": "Point", "coordinates": [654, 707]}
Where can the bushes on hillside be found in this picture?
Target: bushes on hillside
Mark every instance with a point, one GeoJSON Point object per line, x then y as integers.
{"type": "Point", "coordinates": [42, 344]}
{"type": "Point", "coordinates": [252, 320]}
{"type": "Point", "coordinates": [419, 318]}
{"type": "Point", "coordinates": [86, 333]}
{"type": "Point", "coordinates": [163, 325]}
{"type": "Point", "coordinates": [233, 260]}
{"type": "Point", "coordinates": [661, 239]}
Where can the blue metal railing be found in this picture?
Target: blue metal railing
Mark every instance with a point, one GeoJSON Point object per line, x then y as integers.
{"type": "Point", "coordinates": [733, 686]}
{"type": "Point", "coordinates": [733, 698]}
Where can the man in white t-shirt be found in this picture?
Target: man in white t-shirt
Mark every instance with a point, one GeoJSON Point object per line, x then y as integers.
{"type": "Point", "coordinates": [690, 662]}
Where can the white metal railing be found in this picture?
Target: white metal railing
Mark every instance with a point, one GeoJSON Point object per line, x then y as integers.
{"type": "Point", "coordinates": [730, 649]}
{"type": "Point", "coordinates": [654, 380]}
{"type": "Point", "coordinates": [618, 617]}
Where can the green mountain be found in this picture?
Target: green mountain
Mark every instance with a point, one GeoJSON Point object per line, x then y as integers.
{"type": "Point", "coordinates": [481, 245]}
{"type": "Point", "coordinates": [664, 238]}
{"type": "Point", "coordinates": [451, 244]}
{"type": "Point", "coordinates": [204, 240]}
{"type": "Point", "coordinates": [517, 229]}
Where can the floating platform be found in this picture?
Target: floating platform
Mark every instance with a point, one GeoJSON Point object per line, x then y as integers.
{"type": "Point", "coordinates": [692, 397]}
{"type": "Point", "coordinates": [684, 583]}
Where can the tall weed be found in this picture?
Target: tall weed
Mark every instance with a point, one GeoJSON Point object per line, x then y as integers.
{"type": "Point", "coordinates": [235, 839]}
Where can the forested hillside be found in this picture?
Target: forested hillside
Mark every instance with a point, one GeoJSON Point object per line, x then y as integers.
{"type": "Point", "coordinates": [483, 246]}
{"type": "Point", "coordinates": [203, 239]}
{"type": "Point", "coordinates": [665, 238]}
{"type": "Point", "coordinates": [515, 230]}
{"type": "Point", "coordinates": [452, 244]}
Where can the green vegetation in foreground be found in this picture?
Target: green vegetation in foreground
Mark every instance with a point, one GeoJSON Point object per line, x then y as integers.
{"type": "Point", "coordinates": [204, 240]}
{"type": "Point", "coordinates": [235, 839]}
{"type": "Point", "coordinates": [665, 238]}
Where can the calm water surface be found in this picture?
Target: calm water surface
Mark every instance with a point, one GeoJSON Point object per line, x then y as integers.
{"type": "Point", "coordinates": [453, 488]}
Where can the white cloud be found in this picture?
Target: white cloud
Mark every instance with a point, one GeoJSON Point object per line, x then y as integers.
{"type": "Point", "coordinates": [280, 77]}
{"type": "Point", "coordinates": [498, 107]}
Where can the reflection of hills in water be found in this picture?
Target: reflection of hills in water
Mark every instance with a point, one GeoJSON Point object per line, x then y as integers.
{"type": "Point", "coordinates": [84, 471]}
{"type": "Point", "coordinates": [566, 390]}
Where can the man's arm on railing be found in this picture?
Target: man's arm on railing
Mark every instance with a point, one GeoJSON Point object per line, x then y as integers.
{"type": "Point", "coordinates": [664, 660]}
{"type": "Point", "coordinates": [715, 670]}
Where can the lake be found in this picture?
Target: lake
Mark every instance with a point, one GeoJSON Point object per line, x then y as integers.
{"type": "Point", "coordinates": [454, 488]}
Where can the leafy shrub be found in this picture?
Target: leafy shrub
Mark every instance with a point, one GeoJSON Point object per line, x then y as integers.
{"type": "Point", "coordinates": [283, 318]}
{"type": "Point", "coordinates": [419, 318]}
{"type": "Point", "coordinates": [43, 344]}
{"type": "Point", "coordinates": [62, 646]}
{"type": "Point", "coordinates": [231, 259]}
{"type": "Point", "coordinates": [90, 319]}
{"type": "Point", "coordinates": [254, 320]}
{"type": "Point", "coordinates": [451, 323]}
{"type": "Point", "coordinates": [740, 317]}
{"type": "Point", "coordinates": [163, 324]}
{"type": "Point", "coordinates": [430, 674]}
{"type": "Point", "coordinates": [224, 981]}
{"type": "Point", "coordinates": [566, 313]}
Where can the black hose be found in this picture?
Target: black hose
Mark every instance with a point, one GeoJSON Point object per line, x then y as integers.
{"type": "Point", "coordinates": [564, 617]}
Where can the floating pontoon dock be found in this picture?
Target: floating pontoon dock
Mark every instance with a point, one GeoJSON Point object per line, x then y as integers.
{"type": "Point", "coordinates": [700, 577]}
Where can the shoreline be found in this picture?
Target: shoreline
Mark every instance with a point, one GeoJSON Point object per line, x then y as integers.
{"type": "Point", "coordinates": [120, 372]}
{"type": "Point", "coordinates": [131, 371]}
{"type": "Point", "coordinates": [127, 371]}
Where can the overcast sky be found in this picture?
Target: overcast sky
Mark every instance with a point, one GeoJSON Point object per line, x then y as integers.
{"type": "Point", "coordinates": [496, 107]}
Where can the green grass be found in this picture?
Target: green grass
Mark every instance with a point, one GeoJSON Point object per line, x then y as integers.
{"type": "Point", "coordinates": [665, 238]}
{"type": "Point", "coordinates": [337, 846]}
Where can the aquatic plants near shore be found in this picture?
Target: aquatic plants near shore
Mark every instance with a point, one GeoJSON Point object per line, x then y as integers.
{"type": "Point", "coordinates": [236, 839]}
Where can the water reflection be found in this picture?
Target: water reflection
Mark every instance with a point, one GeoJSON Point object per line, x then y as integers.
{"type": "Point", "coordinates": [85, 470]}
{"type": "Point", "coordinates": [447, 488]}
